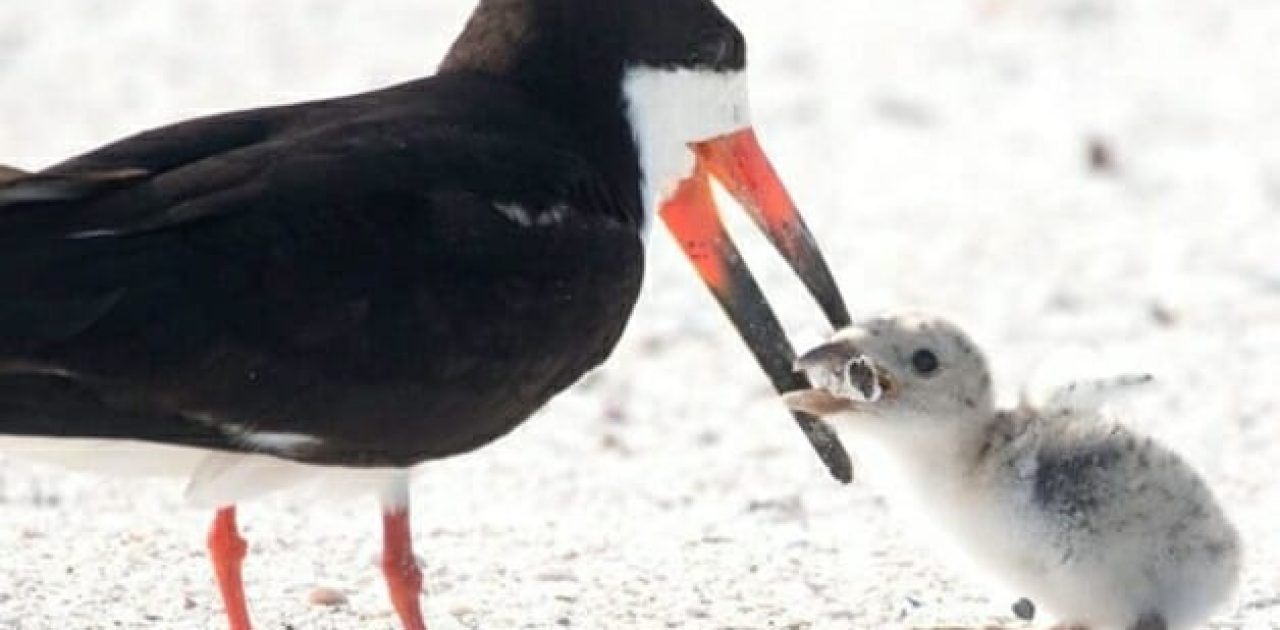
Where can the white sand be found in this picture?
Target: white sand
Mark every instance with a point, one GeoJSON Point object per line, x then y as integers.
{"type": "Point", "coordinates": [938, 148]}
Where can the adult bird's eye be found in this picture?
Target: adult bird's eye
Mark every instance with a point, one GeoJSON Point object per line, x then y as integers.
{"type": "Point", "coordinates": [713, 48]}
{"type": "Point", "coordinates": [924, 362]}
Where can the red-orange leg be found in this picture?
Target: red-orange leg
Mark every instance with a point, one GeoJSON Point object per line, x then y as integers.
{"type": "Point", "coordinates": [227, 551]}
{"type": "Point", "coordinates": [400, 567]}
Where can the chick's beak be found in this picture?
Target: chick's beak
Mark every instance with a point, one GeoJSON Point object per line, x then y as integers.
{"type": "Point", "coordinates": [738, 162]}
{"type": "Point", "coordinates": [817, 402]}
{"type": "Point", "coordinates": [844, 371]}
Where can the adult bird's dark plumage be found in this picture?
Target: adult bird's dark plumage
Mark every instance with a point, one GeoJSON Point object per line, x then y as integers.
{"type": "Point", "coordinates": [370, 282]}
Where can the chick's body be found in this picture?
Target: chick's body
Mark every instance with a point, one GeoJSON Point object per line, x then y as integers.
{"type": "Point", "coordinates": [1098, 526]}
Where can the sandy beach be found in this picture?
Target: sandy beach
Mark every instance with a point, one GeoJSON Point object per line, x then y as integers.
{"type": "Point", "coordinates": [1052, 174]}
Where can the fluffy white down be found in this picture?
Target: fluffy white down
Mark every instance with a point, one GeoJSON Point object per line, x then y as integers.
{"type": "Point", "coordinates": [985, 518]}
{"type": "Point", "coordinates": [669, 110]}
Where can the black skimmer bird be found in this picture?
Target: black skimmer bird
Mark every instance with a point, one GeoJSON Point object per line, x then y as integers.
{"type": "Point", "coordinates": [362, 284]}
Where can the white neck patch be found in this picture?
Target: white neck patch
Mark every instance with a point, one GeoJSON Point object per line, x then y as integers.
{"type": "Point", "coordinates": [670, 109]}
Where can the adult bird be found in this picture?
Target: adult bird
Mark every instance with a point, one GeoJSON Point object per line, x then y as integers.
{"type": "Point", "coordinates": [354, 286]}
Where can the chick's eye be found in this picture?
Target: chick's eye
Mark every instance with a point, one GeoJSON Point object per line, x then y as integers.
{"type": "Point", "coordinates": [924, 362]}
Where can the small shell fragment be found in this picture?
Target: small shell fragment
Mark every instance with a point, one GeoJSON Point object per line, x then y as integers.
{"type": "Point", "coordinates": [326, 596]}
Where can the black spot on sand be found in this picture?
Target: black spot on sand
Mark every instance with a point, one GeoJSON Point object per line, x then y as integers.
{"type": "Point", "coordinates": [1101, 157]}
{"type": "Point", "coordinates": [1024, 609]}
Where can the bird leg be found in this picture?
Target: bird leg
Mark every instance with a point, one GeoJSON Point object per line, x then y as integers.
{"type": "Point", "coordinates": [399, 565]}
{"type": "Point", "coordinates": [227, 551]}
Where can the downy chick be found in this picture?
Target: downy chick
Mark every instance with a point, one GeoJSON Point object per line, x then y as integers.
{"type": "Point", "coordinates": [1098, 526]}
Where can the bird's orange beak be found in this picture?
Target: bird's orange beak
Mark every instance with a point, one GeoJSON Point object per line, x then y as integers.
{"type": "Point", "coordinates": [740, 165]}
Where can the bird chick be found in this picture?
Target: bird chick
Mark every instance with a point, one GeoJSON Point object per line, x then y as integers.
{"type": "Point", "coordinates": [1098, 526]}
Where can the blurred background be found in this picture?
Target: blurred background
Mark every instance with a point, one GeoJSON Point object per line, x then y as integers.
{"type": "Point", "coordinates": [1050, 173]}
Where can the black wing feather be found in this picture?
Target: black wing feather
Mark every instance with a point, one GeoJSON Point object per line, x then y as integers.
{"type": "Point", "coordinates": [316, 267]}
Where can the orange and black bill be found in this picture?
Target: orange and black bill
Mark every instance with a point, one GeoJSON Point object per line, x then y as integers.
{"type": "Point", "coordinates": [738, 162]}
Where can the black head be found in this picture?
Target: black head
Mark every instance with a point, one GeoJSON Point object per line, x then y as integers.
{"type": "Point", "coordinates": [655, 93]}
{"type": "Point", "coordinates": [634, 81]}
{"type": "Point", "coordinates": [682, 34]}
{"type": "Point", "coordinates": [522, 37]}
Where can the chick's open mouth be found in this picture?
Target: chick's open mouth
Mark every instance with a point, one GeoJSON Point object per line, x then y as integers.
{"type": "Point", "coordinates": [864, 381]}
